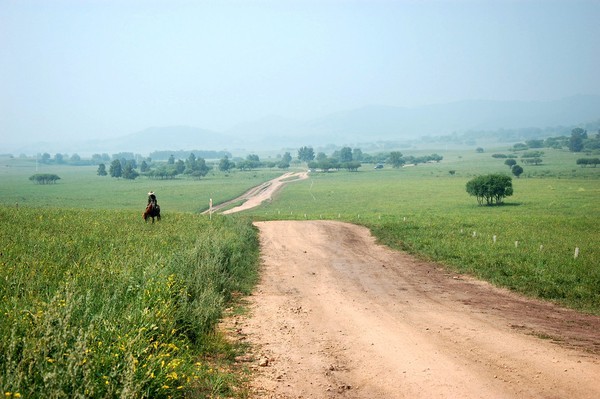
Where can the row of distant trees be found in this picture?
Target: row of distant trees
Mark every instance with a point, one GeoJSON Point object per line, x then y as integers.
{"type": "Point", "coordinates": [578, 141]}
{"type": "Point", "coordinates": [588, 162]}
{"type": "Point", "coordinates": [124, 165]}
{"type": "Point", "coordinates": [352, 159]}
{"type": "Point", "coordinates": [192, 166]}
{"type": "Point", "coordinates": [96, 159]}
{"type": "Point", "coordinates": [63, 159]}
{"type": "Point", "coordinates": [127, 168]}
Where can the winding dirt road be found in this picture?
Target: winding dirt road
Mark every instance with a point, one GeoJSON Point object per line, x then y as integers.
{"type": "Point", "coordinates": [337, 315]}
{"type": "Point", "coordinates": [259, 194]}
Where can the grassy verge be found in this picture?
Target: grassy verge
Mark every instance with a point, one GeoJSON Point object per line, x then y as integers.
{"type": "Point", "coordinates": [99, 304]}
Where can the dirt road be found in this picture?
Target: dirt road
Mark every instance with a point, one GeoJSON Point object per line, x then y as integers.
{"type": "Point", "coordinates": [257, 195]}
{"type": "Point", "coordinates": [337, 315]}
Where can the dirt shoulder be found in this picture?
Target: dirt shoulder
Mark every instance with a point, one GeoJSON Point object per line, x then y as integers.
{"type": "Point", "coordinates": [335, 315]}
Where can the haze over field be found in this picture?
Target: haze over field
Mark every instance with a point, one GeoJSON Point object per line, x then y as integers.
{"type": "Point", "coordinates": [80, 71]}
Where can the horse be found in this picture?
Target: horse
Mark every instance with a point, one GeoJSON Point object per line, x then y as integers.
{"type": "Point", "coordinates": [153, 211]}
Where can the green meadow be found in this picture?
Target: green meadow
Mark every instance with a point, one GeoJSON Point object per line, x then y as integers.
{"type": "Point", "coordinates": [81, 187]}
{"type": "Point", "coordinates": [96, 303]}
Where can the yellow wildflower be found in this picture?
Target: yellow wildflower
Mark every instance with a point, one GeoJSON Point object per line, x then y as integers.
{"type": "Point", "coordinates": [172, 375]}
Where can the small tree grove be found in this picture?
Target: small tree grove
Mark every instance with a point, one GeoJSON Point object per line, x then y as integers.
{"type": "Point", "coordinates": [490, 189]}
{"type": "Point", "coordinates": [44, 178]}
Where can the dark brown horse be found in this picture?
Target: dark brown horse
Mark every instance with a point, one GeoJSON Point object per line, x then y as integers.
{"type": "Point", "coordinates": [153, 211]}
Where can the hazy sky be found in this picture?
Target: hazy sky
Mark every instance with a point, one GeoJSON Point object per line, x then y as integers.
{"type": "Point", "coordinates": [79, 69]}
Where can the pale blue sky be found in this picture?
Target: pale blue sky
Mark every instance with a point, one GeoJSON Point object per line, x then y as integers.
{"type": "Point", "coordinates": [103, 68]}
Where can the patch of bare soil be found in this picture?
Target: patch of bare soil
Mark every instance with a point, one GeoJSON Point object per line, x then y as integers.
{"type": "Point", "coordinates": [336, 315]}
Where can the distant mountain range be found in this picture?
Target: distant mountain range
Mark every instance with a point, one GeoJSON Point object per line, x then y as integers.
{"type": "Point", "coordinates": [375, 123]}
{"type": "Point", "coordinates": [367, 124]}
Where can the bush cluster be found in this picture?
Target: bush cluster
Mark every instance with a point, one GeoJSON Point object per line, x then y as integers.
{"type": "Point", "coordinates": [44, 178]}
{"type": "Point", "coordinates": [490, 189]}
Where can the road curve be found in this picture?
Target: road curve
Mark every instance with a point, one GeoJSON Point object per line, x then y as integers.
{"type": "Point", "coordinates": [336, 314]}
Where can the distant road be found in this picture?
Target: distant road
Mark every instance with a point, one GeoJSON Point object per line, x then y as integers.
{"type": "Point", "coordinates": [259, 194]}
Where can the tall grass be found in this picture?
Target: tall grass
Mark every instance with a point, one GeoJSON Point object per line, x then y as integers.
{"type": "Point", "coordinates": [99, 304]}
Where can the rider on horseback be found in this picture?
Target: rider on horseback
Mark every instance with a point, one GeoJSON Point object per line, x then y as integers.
{"type": "Point", "coordinates": [152, 202]}
{"type": "Point", "coordinates": [152, 210]}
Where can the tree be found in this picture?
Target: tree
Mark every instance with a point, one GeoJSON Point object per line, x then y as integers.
{"type": "Point", "coordinates": [45, 158]}
{"type": "Point", "coordinates": [96, 159]}
{"type": "Point", "coordinates": [179, 166]}
{"type": "Point", "coordinates": [588, 161]}
{"type": "Point", "coordinates": [102, 170]}
{"type": "Point", "coordinates": [283, 164]}
{"type": "Point", "coordinates": [510, 162]}
{"type": "Point", "coordinates": [357, 155]}
{"type": "Point", "coordinates": [396, 159]}
{"type": "Point", "coordinates": [115, 168]}
{"type": "Point", "coordinates": [225, 164]}
{"type": "Point", "coordinates": [435, 157]}
{"type": "Point", "coordinates": [44, 178]}
{"type": "Point", "coordinates": [576, 140]}
{"type": "Point", "coordinates": [534, 161]}
{"type": "Point", "coordinates": [345, 154]}
{"type": "Point", "coordinates": [252, 162]}
{"type": "Point", "coordinates": [190, 163]}
{"type": "Point", "coordinates": [129, 172]}
{"type": "Point", "coordinates": [287, 158]}
{"type": "Point", "coordinates": [321, 156]}
{"type": "Point", "coordinates": [58, 158]}
{"type": "Point", "coordinates": [144, 167]}
{"type": "Point", "coordinates": [306, 154]}
{"type": "Point", "coordinates": [535, 143]}
{"type": "Point", "coordinates": [196, 167]}
{"type": "Point", "coordinates": [556, 142]}
{"type": "Point", "coordinates": [171, 160]}
{"type": "Point", "coordinates": [517, 170]}
{"type": "Point", "coordinates": [351, 166]}
{"type": "Point", "coordinates": [520, 147]}
{"type": "Point", "coordinates": [479, 149]}
{"type": "Point", "coordinates": [491, 189]}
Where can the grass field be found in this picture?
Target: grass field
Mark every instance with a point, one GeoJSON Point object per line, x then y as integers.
{"type": "Point", "coordinates": [96, 303]}
{"type": "Point", "coordinates": [81, 187]}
